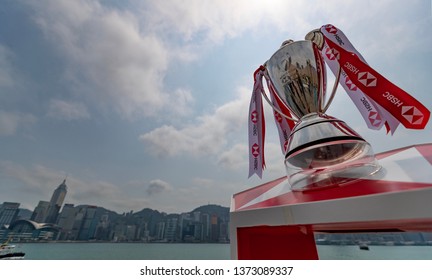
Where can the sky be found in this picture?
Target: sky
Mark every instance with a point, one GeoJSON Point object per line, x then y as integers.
{"type": "Point", "coordinates": [145, 103]}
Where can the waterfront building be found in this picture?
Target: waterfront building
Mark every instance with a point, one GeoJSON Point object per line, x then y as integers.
{"type": "Point", "coordinates": [40, 212]}
{"type": "Point", "coordinates": [119, 233]}
{"type": "Point", "coordinates": [103, 228]}
{"type": "Point", "coordinates": [79, 217]}
{"type": "Point", "coordinates": [27, 230]}
{"type": "Point", "coordinates": [223, 232]}
{"type": "Point", "coordinates": [48, 211]}
{"type": "Point", "coordinates": [8, 213]}
{"type": "Point", "coordinates": [171, 230]}
{"type": "Point", "coordinates": [56, 203]}
{"type": "Point", "coordinates": [205, 219]}
{"type": "Point", "coordinates": [160, 230]}
{"type": "Point", "coordinates": [130, 234]}
{"type": "Point", "coordinates": [66, 221]}
{"type": "Point", "coordinates": [214, 228]}
{"type": "Point", "coordinates": [89, 223]}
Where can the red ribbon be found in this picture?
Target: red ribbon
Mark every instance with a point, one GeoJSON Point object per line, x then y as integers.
{"type": "Point", "coordinates": [405, 108]}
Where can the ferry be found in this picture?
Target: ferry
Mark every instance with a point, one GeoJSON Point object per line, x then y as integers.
{"type": "Point", "coordinates": [8, 252]}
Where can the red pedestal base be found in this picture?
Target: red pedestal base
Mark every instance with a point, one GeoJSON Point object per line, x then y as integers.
{"type": "Point", "coordinates": [276, 243]}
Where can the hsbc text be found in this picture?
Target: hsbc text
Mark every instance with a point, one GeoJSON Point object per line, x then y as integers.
{"type": "Point", "coordinates": [366, 104]}
{"type": "Point", "coordinates": [351, 67]}
{"type": "Point", "coordinates": [339, 40]}
{"type": "Point", "coordinates": [393, 99]}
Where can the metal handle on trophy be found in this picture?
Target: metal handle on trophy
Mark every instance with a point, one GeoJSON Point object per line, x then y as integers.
{"type": "Point", "coordinates": [317, 38]}
{"type": "Point", "coordinates": [277, 109]}
{"type": "Point", "coordinates": [323, 110]}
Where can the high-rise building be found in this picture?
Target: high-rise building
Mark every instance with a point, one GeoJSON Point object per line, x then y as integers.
{"type": "Point", "coordinates": [66, 221]}
{"type": "Point", "coordinates": [160, 230]}
{"type": "Point", "coordinates": [89, 223]}
{"type": "Point", "coordinates": [171, 229]}
{"type": "Point", "coordinates": [214, 228]}
{"type": "Point", "coordinates": [40, 212]}
{"type": "Point", "coordinates": [205, 218]}
{"type": "Point", "coordinates": [56, 203]}
{"type": "Point", "coordinates": [8, 213]}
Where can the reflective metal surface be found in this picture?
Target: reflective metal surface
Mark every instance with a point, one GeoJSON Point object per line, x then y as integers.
{"type": "Point", "coordinates": [324, 151]}
{"type": "Point", "coordinates": [314, 129]}
{"type": "Point", "coordinates": [297, 73]}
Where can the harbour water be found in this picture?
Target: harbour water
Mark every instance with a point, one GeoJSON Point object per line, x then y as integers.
{"type": "Point", "coordinates": [161, 251]}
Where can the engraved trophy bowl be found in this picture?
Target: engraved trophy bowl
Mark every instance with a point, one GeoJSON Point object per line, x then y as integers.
{"type": "Point", "coordinates": [322, 151]}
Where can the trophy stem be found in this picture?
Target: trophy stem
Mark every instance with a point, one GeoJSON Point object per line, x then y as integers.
{"type": "Point", "coordinates": [333, 90]}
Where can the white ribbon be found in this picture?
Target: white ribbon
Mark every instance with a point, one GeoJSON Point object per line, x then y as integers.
{"type": "Point", "coordinates": [256, 127]}
{"type": "Point", "coordinates": [257, 122]}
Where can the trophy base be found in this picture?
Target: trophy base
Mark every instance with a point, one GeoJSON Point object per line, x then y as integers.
{"type": "Point", "coordinates": [325, 152]}
{"type": "Point", "coordinates": [360, 164]}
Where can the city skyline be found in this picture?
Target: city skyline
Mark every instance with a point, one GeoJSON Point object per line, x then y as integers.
{"type": "Point", "coordinates": [53, 221]}
{"type": "Point", "coordinates": [144, 104]}
{"type": "Point", "coordinates": [42, 215]}
{"type": "Point", "coordinates": [207, 223]}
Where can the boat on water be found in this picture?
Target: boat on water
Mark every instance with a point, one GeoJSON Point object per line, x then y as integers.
{"type": "Point", "coordinates": [8, 252]}
{"type": "Point", "coordinates": [364, 247]}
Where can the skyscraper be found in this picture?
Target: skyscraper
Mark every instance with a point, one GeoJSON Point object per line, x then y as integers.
{"type": "Point", "coordinates": [8, 212]}
{"type": "Point", "coordinates": [40, 212]}
{"type": "Point", "coordinates": [66, 221]}
{"type": "Point", "coordinates": [56, 203]}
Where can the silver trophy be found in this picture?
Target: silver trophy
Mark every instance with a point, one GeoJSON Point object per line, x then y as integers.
{"type": "Point", "coordinates": [322, 151]}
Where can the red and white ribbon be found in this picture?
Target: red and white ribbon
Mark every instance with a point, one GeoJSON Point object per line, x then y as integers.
{"type": "Point", "coordinates": [257, 122]}
{"type": "Point", "coordinates": [379, 101]}
{"type": "Point", "coordinates": [256, 126]}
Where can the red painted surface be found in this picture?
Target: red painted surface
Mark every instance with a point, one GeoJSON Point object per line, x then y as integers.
{"type": "Point", "coordinates": [244, 197]}
{"type": "Point", "coordinates": [356, 188]}
{"type": "Point", "coordinates": [276, 243]}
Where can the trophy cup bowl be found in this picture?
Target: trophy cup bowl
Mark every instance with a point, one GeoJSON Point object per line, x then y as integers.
{"type": "Point", "coordinates": [322, 151]}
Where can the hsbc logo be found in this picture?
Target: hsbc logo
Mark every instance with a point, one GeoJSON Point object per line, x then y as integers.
{"type": "Point", "coordinates": [254, 116]}
{"type": "Point", "coordinates": [412, 114]}
{"type": "Point", "coordinates": [332, 54]}
{"type": "Point", "coordinates": [331, 29]}
{"type": "Point", "coordinates": [350, 85]}
{"type": "Point", "coordinates": [375, 119]}
{"type": "Point", "coordinates": [367, 79]}
{"type": "Point", "coordinates": [255, 150]}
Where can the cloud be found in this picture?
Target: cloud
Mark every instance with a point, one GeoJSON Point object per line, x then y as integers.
{"type": "Point", "coordinates": [67, 110]}
{"type": "Point", "coordinates": [215, 21]}
{"type": "Point", "coordinates": [109, 61]}
{"type": "Point", "coordinates": [208, 135]}
{"type": "Point", "coordinates": [41, 181]}
{"type": "Point", "coordinates": [234, 158]}
{"type": "Point", "coordinates": [11, 122]}
{"type": "Point", "coordinates": [157, 186]}
{"type": "Point", "coordinates": [222, 134]}
{"type": "Point", "coordinates": [118, 58]}
{"type": "Point", "coordinates": [6, 71]}
{"type": "Point", "coordinates": [33, 179]}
